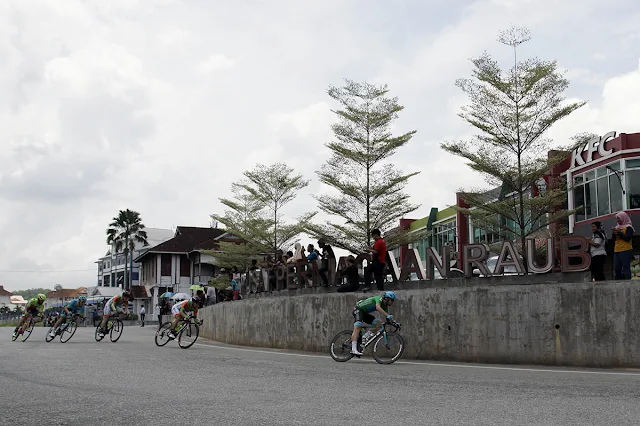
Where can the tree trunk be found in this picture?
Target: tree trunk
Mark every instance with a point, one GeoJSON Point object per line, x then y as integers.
{"type": "Point", "coordinates": [275, 232]}
{"type": "Point", "coordinates": [125, 283]}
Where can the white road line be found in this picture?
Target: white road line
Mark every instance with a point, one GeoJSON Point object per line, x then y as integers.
{"type": "Point", "coordinates": [435, 364]}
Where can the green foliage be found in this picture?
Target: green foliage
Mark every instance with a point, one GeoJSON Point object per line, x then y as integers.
{"type": "Point", "coordinates": [512, 110]}
{"type": "Point", "coordinates": [254, 215]}
{"type": "Point", "coordinates": [275, 186]}
{"type": "Point", "coordinates": [124, 231]}
{"type": "Point", "coordinates": [371, 191]}
{"type": "Point", "coordinates": [31, 293]}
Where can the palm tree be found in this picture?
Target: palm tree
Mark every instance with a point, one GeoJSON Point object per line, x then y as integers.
{"type": "Point", "coordinates": [125, 230]}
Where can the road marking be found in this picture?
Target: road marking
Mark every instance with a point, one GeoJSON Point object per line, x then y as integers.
{"type": "Point", "coordinates": [436, 364]}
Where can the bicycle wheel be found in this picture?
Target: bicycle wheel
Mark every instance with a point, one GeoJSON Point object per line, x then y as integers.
{"type": "Point", "coordinates": [162, 335]}
{"type": "Point", "coordinates": [98, 337]}
{"type": "Point", "coordinates": [188, 335]}
{"type": "Point", "coordinates": [68, 332]}
{"type": "Point", "coordinates": [389, 350]}
{"type": "Point", "coordinates": [47, 337]}
{"type": "Point", "coordinates": [27, 331]}
{"type": "Point", "coordinates": [340, 348]}
{"type": "Point", "coordinates": [116, 330]}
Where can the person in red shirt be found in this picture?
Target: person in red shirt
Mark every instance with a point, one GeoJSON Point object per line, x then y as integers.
{"type": "Point", "coordinates": [379, 259]}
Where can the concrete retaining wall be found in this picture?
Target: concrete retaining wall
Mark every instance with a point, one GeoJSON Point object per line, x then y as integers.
{"type": "Point", "coordinates": [579, 324]}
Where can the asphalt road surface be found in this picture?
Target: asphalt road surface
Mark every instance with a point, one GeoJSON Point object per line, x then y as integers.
{"type": "Point", "coordinates": [134, 382]}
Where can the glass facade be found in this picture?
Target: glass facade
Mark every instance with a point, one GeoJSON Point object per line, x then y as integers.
{"type": "Point", "coordinates": [632, 177]}
{"type": "Point", "coordinates": [598, 192]}
{"type": "Point", "coordinates": [442, 234]}
{"type": "Point", "coordinates": [445, 234]}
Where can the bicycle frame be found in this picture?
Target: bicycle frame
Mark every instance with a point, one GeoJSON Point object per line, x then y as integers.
{"type": "Point", "coordinates": [382, 330]}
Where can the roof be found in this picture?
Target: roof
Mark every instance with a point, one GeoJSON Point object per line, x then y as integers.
{"type": "Point", "coordinates": [186, 240]}
{"type": "Point", "coordinates": [4, 292]}
{"type": "Point", "coordinates": [155, 236]}
{"type": "Point", "coordinates": [139, 292]}
{"type": "Point", "coordinates": [104, 291]}
{"type": "Point", "coordinates": [66, 293]}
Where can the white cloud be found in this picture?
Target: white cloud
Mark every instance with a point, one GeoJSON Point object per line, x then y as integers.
{"type": "Point", "coordinates": [214, 63]}
{"type": "Point", "coordinates": [101, 111]}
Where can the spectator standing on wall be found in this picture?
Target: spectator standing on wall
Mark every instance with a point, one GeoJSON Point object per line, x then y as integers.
{"type": "Point", "coordinates": [327, 253]}
{"type": "Point", "coordinates": [598, 251]}
{"type": "Point", "coordinates": [379, 259]}
{"type": "Point", "coordinates": [623, 249]}
{"type": "Point", "coordinates": [142, 312]}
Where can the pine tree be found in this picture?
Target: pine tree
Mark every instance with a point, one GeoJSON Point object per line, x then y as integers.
{"type": "Point", "coordinates": [275, 186]}
{"type": "Point", "coordinates": [371, 191]}
{"type": "Point", "coordinates": [244, 219]}
{"type": "Point", "coordinates": [512, 110]}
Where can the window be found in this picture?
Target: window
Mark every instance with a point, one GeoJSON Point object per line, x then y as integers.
{"type": "Point", "coordinates": [185, 266]}
{"type": "Point", "coordinates": [633, 188]}
{"type": "Point", "coordinates": [598, 192]}
{"type": "Point", "coordinates": [604, 206]}
{"type": "Point", "coordinates": [445, 234]}
{"type": "Point", "coordinates": [165, 265]}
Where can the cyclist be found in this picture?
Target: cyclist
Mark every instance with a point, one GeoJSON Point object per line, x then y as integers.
{"type": "Point", "coordinates": [35, 307]}
{"type": "Point", "coordinates": [73, 307]}
{"type": "Point", "coordinates": [179, 310]}
{"type": "Point", "coordinates": [112, 307]}
{"type": "Point", "coordinates": [362, 315]}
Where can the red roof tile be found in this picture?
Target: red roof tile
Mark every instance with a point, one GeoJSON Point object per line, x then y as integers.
{"type": "Point", "coordinates": [4, 292]}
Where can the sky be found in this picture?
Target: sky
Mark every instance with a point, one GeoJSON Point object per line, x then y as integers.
{"type": "Point", "coordinates": [159, 105]}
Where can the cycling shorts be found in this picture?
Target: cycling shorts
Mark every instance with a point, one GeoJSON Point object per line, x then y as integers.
{"type": "Point", "coordinates": [32, 310]}
{"type": "Point", "coordinates": [361, 318]}
{"type": "Point", "coordinates": [175, 310]}
{"type": "Point", "coordinates": [108, 311]}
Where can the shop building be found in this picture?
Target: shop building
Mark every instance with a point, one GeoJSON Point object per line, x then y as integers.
{"type": "Point", "coordinates": [603, 178]}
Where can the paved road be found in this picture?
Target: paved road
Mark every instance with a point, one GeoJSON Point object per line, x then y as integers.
{"type": "Point", "coordinates": [134, 382]}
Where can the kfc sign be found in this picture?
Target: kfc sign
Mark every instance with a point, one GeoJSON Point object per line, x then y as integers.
{"type": "Point", "coordinates": [598, 144]}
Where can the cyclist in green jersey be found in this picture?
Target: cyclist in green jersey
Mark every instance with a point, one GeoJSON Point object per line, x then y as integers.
{"type": "Point", "coordinates": [34, 307]}
{"type": "Point", "coordinates": [362, 315]}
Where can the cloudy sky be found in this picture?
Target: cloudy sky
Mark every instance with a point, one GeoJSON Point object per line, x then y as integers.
{"type": "Point", "coordinates": [158, 105]}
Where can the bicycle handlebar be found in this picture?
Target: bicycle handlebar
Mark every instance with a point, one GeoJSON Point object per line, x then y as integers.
{"type": "Point", "coordinates": [394, 324]}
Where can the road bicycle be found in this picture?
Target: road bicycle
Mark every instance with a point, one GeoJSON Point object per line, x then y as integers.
{"type": "Point", "coordinates": [187, 332]}
{"type": "Point", "coordinates": [26, 329]}
{"type": "Point", "coordinates": [66, 330]}
{"type": "Point", "coordinates": [114, 328]}
{"type": "Point", "coordinates": [385, 342]}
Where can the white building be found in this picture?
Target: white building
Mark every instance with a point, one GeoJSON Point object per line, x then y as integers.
{"type": "Point", "coordinates": [111, 266]}
{"type": "Point", "coordinates": [178, 263]}
{"type": "Point", "coordinates": [5, 299]}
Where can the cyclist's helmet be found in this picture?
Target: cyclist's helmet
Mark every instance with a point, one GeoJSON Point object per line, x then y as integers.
{"type": "Point", "coordinates": [199, 300]}
{"type": "Point", "coordinates": [389, 295]}
{"type": "Point", "coordinates": [42, 298]}
{"type": "Point", "coordinates": [127, 294]}
{"type": "Point", "coordinates": [82, 299]}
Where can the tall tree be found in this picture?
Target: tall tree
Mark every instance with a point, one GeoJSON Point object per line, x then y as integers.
{"type": "Point", "coordinates": [125, 230]}
{"type": "Point", "coordinates": [512, 110]}
{"type": "Point", "coordinates": [245, 219]}
{"type": "Point", "coordinates": [276, 186]}
{"type": "Point", "coordinates": [371, 191]}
